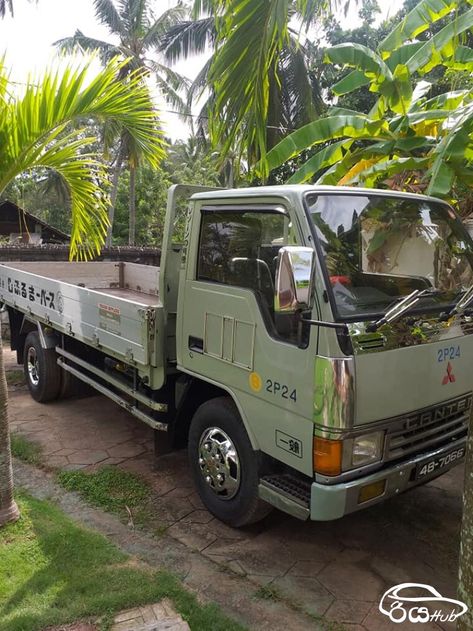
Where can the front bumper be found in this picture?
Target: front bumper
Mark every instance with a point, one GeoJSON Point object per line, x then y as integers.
{"type": "Point", "coordinates": [329, 502]}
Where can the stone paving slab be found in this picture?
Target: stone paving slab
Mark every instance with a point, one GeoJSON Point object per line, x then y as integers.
{"type": "Point", "coordinates": [158, 617]}
{"type": "Point", "coordinates": [337, 569]}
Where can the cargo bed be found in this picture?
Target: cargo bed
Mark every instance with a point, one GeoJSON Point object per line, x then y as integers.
{"type": "Point", "coordinates": [111, 306]}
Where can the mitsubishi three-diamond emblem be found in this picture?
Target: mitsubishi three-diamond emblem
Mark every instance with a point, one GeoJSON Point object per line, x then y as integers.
{"type": "Point", "coordinates": [449, 377]}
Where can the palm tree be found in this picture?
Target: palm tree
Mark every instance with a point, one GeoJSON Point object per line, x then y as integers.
{"type": "Point", "coordinates": [37, 131]}
{"type": "Point", "coordinates": [259, 78]}
{"type": "Point", "coordinates": [4, 6]}
{"type": "Point", "coordinates": [138, 34]}
{"type": "Point", "coordinates": [7, 5]}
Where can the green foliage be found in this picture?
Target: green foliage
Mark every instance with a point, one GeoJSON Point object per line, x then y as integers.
{"type": "Point", "coordinates": [36, 132]}
{"type": "Point", "coordinates": [151, 192]}
{"type": "Point", "coordinates": [26, 450]}
{"type": "Point", "coordinates": [52, 572]}
{"type": "Point", "coordinates": [185, 163]}
{"type": "Point", "coordinates": [258, 77]}
{"type": "Point", "coordinates": [136, 34]}
{"type": "Point", "coordinates": [109, 488]}
{"type": "Point", "coordinates": [258, 82]}
{"type": "Point", "coordinates": [32, 192]}
{"type": "Point", "coordinates": [405, 131]}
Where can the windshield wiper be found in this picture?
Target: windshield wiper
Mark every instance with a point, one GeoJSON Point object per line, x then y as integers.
{"type": "Point", "coordinates": [461, 305]}
{"type": "Point", "coordinates": [398, 309]}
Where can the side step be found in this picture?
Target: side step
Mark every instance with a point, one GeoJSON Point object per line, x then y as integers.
{"type": "Point", "coordinates": [286, 492]}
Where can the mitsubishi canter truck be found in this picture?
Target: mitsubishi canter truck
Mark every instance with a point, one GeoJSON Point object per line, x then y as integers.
{"type": "Point", "coordinates": [310, 345]}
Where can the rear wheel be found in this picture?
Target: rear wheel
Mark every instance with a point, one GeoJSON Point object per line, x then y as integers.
{"type": "Point", "coordinates": [224, 464]}
{"type": "Point", "coordinates": [42, 374]}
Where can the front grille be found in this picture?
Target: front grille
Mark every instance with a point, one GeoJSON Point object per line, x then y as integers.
{"type": "Point", "coordinates": [371, 342]}
{"type": "Point", "coordinates": [429, 428]}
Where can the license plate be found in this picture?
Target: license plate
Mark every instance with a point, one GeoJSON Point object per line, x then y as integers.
{"type": "Point", "coordinates": [437, 464]}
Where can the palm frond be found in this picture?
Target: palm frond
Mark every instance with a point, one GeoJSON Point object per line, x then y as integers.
{"type": "Point", "coordinates": [251, 35]}
{"type": "Point", "coordinates": [175, 79]}
{"type": "Point", "coordinates": [296, 90]}
{"type": "Point", "coordinates": [200, 83]}
{"type": "Point", "coordinates": [33, 133]}
{"type": "Point", "coordinates": [86, 44]}
{"type": "Point", "coordinates": [202, 8]}
{"type": "Point", "coordinates": [188, 38]}
{"type": "Point", "coordinates": [4, 6]}
{"type": "Point", "coordinates": [107, 13]}
{"type": "Point", "coordinates": [166, 21]}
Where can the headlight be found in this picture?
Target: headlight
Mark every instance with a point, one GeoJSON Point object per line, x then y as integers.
{"type": "Point", "coordinates": [366, 449]}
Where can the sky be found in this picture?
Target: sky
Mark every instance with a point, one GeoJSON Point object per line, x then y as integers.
{"type": "Point", "coordinates": [27, 38]}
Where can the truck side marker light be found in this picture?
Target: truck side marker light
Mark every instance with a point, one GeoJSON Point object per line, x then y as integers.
{"type": "Point", "coordinates": [256, 383]}
{"type": "Point", "coordinates": [327, 456]}
{"type": "Point", "coordinates": [370, 491]}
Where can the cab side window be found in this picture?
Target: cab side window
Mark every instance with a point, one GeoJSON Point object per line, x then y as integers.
{"type": "Point", "coordinates": [240, 248]}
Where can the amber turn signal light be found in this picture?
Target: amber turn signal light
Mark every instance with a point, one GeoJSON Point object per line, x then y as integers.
{"type": "Point", "coordinates": [327, 456]}
{"type": "Point", "coordinates": [370, 491]}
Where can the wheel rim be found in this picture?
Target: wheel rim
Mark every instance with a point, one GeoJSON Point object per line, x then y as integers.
{"type": "Point", "coordinates": [33, 366]}
{"type": "Point", "coordinates": [219, 463]}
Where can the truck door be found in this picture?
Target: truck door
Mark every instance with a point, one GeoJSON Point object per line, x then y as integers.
{"type": "Point", "coordinates": [230, 335]}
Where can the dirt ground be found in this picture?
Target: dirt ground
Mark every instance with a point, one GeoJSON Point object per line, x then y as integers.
{"type": "Point", "coordinates": [337, 571]}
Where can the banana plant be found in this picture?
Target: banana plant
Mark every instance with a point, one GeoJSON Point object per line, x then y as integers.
{"type": "Point", "coordinates": [406, 131]}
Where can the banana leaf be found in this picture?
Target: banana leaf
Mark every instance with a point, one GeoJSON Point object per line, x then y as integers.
{"type": "Point", "coordinates": [323, 130]}
{"type": "Point", "coordinates": [422, 16]}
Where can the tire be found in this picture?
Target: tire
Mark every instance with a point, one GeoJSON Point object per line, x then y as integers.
{"type": "Point", "coordinates": [217, 428]}
{"type": "Point", "coordinates": [42, 374]}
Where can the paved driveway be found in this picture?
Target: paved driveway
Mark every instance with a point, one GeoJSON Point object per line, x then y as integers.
{"type": "Point", "coordinates": [338, 570]}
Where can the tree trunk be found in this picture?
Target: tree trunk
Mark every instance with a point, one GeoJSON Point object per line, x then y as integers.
{"type": "Point", "coordinates": [132, 206]}
{"type": "Point", "coordinates": [113, 195]}
{"type": "Point", "coordinates": [465, 588]}
{"type": "Point", "coordinates": [8, 508]}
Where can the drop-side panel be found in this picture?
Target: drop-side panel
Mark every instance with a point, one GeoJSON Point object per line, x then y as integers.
{"type": "Point", "coordinates": [125, 322]}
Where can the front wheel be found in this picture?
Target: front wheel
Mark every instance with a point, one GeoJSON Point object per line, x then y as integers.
{"type": "Point", "coordinates": [224, 465]}
{"type": "Point", "coordinates": [42, 373]}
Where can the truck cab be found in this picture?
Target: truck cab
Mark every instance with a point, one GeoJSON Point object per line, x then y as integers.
{"type": "Point", "coordinates": [327, 316]}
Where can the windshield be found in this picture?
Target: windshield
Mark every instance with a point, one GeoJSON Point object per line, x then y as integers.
{"type": "Point", "coordinates": [378, 249]}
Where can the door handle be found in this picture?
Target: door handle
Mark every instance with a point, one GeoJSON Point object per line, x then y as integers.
{"type": "Point", "coordinates": [196, 344]}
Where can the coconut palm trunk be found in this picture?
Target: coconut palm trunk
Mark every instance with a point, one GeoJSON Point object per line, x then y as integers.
{"type": "Point", "coordinates": [465, 588]}
{"type": "Point", "coordinates": [113, 194]}
{"type": "Point", "coordinates": [132, 206]}
{"type": "Point", "coordinates": [8, 508]}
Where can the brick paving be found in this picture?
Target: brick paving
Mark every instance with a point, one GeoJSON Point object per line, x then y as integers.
{"type": "Point", "coordinates": [336, 570]}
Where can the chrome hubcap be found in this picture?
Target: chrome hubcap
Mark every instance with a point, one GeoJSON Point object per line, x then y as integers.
{"type": "Point", "coordinates": [219, 463]}
{"type": "Point", "coordinates": [33, 366]}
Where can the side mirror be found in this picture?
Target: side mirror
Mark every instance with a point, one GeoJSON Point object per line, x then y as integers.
{"type": "Point", "coordinates": [294, 279]}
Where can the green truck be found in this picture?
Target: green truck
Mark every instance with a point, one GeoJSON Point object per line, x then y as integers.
{"type": "Point", "coordinates": [311, 346]}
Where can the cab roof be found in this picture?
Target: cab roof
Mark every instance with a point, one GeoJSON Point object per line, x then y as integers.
{"type": "Point", "coordinates": [298, 190]}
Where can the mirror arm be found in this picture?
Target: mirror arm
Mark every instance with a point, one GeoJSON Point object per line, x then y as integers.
{"type": "Point", "coordinates": [328, 325]}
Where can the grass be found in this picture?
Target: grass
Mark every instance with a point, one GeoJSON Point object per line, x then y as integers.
{"type": "Point", "coordinates": [53, 572]}
{"type": "Point", "coordinates": [26, 450]}
{"type": "Point", "coordinates": [111, 489]}
{"type": "Point", "coordinates": [267, 592]}
{"type": "Point", "coordinates": [15, 377]}
{"type": "Point", "coordinates": [116, 491]}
